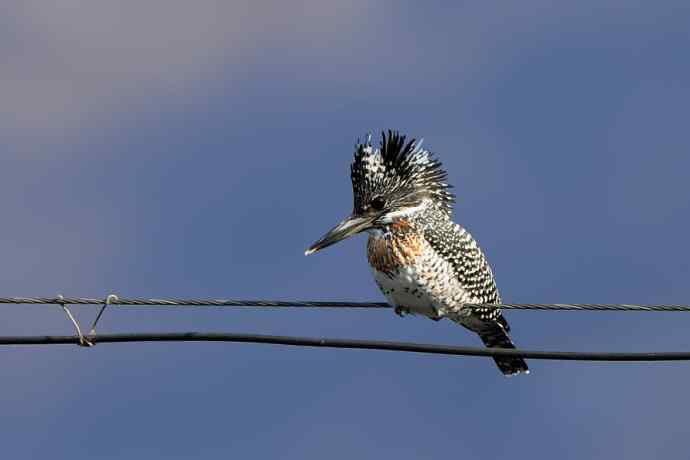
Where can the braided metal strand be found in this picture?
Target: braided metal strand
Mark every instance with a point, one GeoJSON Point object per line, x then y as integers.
{"type": "Point", "coordinates": [324, 304]}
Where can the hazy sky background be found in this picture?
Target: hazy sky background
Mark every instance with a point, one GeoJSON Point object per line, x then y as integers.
{"type": "Point", "coordinates": [195, 149]}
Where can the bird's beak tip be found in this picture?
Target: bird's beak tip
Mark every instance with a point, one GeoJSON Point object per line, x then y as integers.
{"type": "Point", "coordinates": [345, 229]}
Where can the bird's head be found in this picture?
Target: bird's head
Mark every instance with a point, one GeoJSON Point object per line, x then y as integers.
{"type": "Point", "coordinates": [391, 183]}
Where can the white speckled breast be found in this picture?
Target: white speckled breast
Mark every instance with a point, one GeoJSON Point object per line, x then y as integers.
{"type": "Point", "coordinates": [424, 284]}
{"type": "Point", "coordinates": [403, 289]}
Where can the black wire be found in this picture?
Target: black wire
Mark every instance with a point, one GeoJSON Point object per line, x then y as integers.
{"type": "Point", "coordinates": [350, 344]}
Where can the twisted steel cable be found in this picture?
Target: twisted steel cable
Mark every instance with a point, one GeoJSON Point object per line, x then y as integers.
{"type": "Point", "coordinates": [326, 304]}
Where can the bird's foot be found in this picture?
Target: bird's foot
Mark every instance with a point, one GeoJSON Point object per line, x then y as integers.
{"type": "Point", "coordinates": [438, 315]}
{"type": "Point", "coordinates": [401, 311]}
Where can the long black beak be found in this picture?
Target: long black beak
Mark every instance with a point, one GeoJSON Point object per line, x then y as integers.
{"type": "Point", "coordinates": [350, 226]}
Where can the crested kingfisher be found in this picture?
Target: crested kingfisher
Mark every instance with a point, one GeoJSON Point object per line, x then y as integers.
{"type": "Point", "coordinates": [423, 262]}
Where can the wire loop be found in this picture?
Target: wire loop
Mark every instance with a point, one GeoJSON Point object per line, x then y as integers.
{"type": "Point", "coordinates": [108, 301]}
{"type": "Point", "coordinates": [83, 341]}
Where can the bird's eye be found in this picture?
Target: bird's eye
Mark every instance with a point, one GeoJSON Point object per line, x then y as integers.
{"type": "Point", "coordinates": [377, 203]}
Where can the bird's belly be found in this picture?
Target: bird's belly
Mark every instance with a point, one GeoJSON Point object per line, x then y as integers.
{"type": "Point", "coordinates": [404, 289]}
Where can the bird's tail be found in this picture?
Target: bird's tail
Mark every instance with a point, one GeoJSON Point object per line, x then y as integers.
{"type": "Point", "coordinates": [494, 334]}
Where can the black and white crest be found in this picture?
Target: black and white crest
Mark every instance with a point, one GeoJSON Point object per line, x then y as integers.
{"type": "Point", "coordinates": [400, 173]}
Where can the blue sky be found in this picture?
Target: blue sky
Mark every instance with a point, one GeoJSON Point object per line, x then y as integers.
{"type": "Point", "coordinates": [196, 149]}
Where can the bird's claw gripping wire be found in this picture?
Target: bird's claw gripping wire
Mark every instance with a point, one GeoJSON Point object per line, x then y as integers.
{"type": "Point", "coordinates": [438, 317]}
{"type": "Point", "coordinates": [83, 341]}
{"type": "Point", "coordinates": [401, 311]}
{"type": "Point", "coordinates": [404, 311]}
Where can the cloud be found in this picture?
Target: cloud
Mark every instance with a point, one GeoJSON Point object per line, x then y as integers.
{"type": "Point", "coordinates": [75, 67]}
{"type": "Point", "coordinates": [70, 64]}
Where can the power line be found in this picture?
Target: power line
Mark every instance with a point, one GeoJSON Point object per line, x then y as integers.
{"type": "Point", "coordinates": [136, 302]}
{"type": "Point", "coordinates": [408, 347]}
{"type": "Point", "coordinates": [350, 344]}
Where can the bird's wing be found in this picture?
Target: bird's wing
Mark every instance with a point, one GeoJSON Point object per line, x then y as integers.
{"type": "Point", "coordinates": [472, 270]}
{"type": "Point", "coordinates": [474, 276]}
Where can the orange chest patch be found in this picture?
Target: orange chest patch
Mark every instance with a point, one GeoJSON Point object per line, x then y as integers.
{"type": "Point", "coordinates": [388, 254]}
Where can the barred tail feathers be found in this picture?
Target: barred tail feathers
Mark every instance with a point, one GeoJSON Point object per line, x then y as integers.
{"type": "Point", "coordinates": [494, 334]}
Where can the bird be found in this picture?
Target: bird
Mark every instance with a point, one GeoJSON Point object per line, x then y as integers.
{"type": "Point", "coordinates": [422, 261]}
